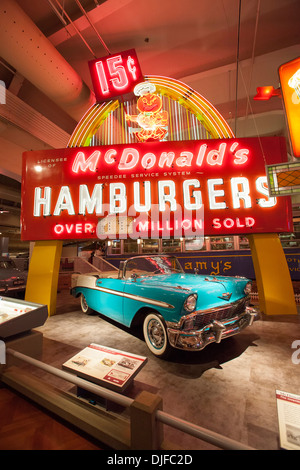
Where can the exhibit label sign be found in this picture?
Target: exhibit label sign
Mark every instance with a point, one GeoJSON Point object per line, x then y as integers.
{"type": "Point", "coordinates": [107, 367]}
{"type": "Point", "coordinates": [288, 409]}
{"type": "Point", "coordinates": [153, 189]}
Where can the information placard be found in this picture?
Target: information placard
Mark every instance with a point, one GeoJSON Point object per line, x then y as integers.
{"type": "Point", "coordinates": [107, 367]}
{"type": "Point", "coordinates": [288, 408]}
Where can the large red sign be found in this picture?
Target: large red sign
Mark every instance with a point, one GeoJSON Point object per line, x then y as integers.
{"type": "Point", "coordinates": [158, 189]}
{"type": "Point", "coordinates": [115, 75]}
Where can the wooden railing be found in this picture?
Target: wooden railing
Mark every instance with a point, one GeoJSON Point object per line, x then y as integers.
{"type": "Point", "coordinates": [144, 430]}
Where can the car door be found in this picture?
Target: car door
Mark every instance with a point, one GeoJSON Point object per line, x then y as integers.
{"type": "Point", "coordinates": [110, 298]}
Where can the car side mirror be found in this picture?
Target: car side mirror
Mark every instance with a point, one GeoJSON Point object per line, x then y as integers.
{"type": "Point", "coordinates": [134, 277]}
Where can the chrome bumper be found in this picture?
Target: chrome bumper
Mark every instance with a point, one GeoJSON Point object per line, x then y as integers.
{"type": "Point", "coordinates": [214, 332]}
{"type": "Point", "coordinates": [5, 290]}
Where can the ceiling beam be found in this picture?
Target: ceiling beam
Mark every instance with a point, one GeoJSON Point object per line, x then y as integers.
{"type": "Point", "coordinates": [25, 48]}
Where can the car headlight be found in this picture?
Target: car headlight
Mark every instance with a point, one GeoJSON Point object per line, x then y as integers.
{"type": "Point", "coordinates": [190, 303]}
{"type": "Point", "coordinates": [248, 288]}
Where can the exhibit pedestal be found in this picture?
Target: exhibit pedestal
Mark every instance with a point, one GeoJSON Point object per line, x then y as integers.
{"type": "Point", "coordinates": [105, 403]}
{"type": "Point", "coordinates": [275, 288]}
{"type": "Point", "coordinates": [29, 343]}
{"type": "Point", "coordinates": [43, 274]}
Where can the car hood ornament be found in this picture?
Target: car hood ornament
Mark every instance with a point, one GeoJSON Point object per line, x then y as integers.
{"type": "Point", "coordinates": [225, 296]}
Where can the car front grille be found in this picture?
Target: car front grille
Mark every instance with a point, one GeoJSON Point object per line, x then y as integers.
{"type": "Point", "coordinates": [219, 313]}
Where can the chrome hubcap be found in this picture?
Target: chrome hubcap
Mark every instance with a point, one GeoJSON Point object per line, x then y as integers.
{"type": "Point", "coordinates": [84, 304]}
{"type": "Point", "coordinates": [156, 334]}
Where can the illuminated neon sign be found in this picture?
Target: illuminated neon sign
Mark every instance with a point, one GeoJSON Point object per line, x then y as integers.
{"type": "Point", "coordinates": [161, 186]}
{"type": "Point", "coordinates": [289, 75]}
{"type": "Point", "coordinates": [152, 119]}
{"type": "Point", "coordinates": [115, 75]}
{"type": "Point", "coordinates": [134, 158]}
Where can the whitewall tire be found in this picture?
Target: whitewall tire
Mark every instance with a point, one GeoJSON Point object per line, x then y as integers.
{"type": "Point", "coordinates": [155, 334]}
{"type": "Point", "coordinates": [84, 306]}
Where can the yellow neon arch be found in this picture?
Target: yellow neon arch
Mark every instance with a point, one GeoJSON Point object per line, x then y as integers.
{"type": "Point", "coordinates": [204, 111]}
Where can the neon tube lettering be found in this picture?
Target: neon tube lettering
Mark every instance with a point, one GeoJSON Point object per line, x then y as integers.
{"type": "Point", "coordinates": [42, 201]}
{"type": "Point", "coordinates": [80, 163]}
{"type": "Point", "coordinates": [262, 187]}
{"type": "Point", "coordinates": [163, 197]}
{"type": "Point", "coordinates": [117, 72]}
{"type": "Point", "coordinates": [129, 159]}
{"type": "Point", "coordinates": [201, 154]}
{"type": "Point", "coordinates": [89, 203]}
{"type": "Point", "coordinates": [137, 196]}
{"type": "Point", "coordinates": [91, 199]}
{"type": "Point", "coordinates": [238, 194]}
{"type": "Point", "coordinates": [166, 158]}
{"type": "Point", "coordinates": [109, 156]}
{"type": "Point", "coordinates": [64, 202]}
{"type": "Point", "coordinates": [148, 160]}
{"type": "Point", "coordinates": [131, 67]}
{"type": "Point", "coordinates": [102, 77]}
{"type": "Point", "coordinates": [215, 157]}
{"type": "Point", "coordinates": [241, 156]}
{"type": "Point", "coordinates": [213, 193]}
{"type": "Point", "coordinates": [185, 159]}
{"type": "Point", "coordinates": [195, 194]}
{"type": "Point", "coordinates": [118, 202]}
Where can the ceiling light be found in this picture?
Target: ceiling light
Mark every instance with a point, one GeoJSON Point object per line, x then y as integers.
{"type": "Point", "coordinates": [266, 92]}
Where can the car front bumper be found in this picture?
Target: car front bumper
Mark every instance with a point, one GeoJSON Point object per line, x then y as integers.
{"type": "Point", "coordinates": [214, 332]}
{"type": "Point", "coordinates": [7, 290]}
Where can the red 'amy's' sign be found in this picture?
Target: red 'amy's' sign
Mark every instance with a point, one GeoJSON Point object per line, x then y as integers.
{"type": "Point", "coordinates": [115, 75]}
{"type": "Point", "coordinates": [160, 189]}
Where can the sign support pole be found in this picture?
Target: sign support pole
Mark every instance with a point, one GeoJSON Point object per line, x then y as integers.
{"type": "Point", "coordinates": [43, 274]}
{"type": "Point", "coordinates": [275, 288]}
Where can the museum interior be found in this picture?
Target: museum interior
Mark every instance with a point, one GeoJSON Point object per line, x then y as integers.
{"type": "Point", "coordinates": [149, 226]}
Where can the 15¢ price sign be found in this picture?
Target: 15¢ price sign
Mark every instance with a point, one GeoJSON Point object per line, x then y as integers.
{"type": "Point", "coordinates": [115, 75]}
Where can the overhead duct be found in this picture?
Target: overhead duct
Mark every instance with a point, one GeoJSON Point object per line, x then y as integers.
{"type": "Point", "coordinates": [25, 47]}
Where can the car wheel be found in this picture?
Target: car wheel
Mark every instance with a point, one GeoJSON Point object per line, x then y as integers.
{"type": "Point", "coordinates": [155, 335]}
{"type": "Point", "coordinates": [84, 306]}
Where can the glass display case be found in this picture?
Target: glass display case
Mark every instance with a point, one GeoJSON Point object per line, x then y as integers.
{"type": "Point", "coordinates": [18, 316]}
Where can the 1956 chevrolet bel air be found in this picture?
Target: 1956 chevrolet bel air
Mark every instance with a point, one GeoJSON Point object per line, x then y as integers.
{"type": "Point", "coordinates": [175, 309]}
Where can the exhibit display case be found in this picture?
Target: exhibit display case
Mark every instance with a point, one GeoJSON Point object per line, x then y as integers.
{"type": "Point", "coordinates": [19, 316]}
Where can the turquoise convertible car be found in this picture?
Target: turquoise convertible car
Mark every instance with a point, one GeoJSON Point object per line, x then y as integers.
{"type": "Point", "coordinates": [174, 309]}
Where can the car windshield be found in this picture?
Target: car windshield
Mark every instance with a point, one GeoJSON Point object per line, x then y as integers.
{"type": "Point", "coordinates": [149, 265]}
